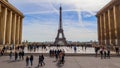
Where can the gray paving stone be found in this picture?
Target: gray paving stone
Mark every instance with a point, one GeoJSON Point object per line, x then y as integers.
{"type": "Point", "coordinates": [70, 62]}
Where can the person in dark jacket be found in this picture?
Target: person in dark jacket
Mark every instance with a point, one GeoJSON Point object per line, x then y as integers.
{"type": "Point", "coordinates": [56, 55]}
{"type": "Point", "coordinates": [101, 53]}
{"type": "Point", "coordinates": [31, 60]}
{"type": "Point", "coordinates": [27, 61]}
{"type": "Point", "coordinates": [11, 54]}
{"type": "Point", "coordinates": [105, 53]}
{"type": "Point", "coordinates": [16, 55]}
{"type": "Point", "coordinates": [108, 53]}
{"type": "Point", "coordinates": [41, 60]}
{"type": "Point", "coordinates": [63, 57]}
{"type": "Point", "coordinates": [22, 54]}
{"type": "Point", "coordinates": [117, 50]}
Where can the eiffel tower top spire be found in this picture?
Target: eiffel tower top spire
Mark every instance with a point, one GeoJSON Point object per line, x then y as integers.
{"type": "Point", "coordinates": [60, 23]}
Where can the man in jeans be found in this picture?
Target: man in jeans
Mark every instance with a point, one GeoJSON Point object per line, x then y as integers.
{"type": "Point", "coordinates": [31, 60]}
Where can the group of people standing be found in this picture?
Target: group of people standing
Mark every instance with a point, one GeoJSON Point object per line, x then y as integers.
{"type": "Point", "coordinates": [105, 51]}
{"type": "Point", "coordinates": [17, 55]}
{"type": "Point", "coordinates": [35, 47]}
{"type": "Point", "coordinates": [59, 55]}
{"type": "Point", "coordinates": [29, 60]}
{"type": "Point", "coordinates": [4, 49]}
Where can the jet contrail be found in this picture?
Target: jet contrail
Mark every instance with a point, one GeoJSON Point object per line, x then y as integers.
{"type": "Point", "coordinates": [55, 10]}
{"type": "Point", "coordinates": [80, 21]}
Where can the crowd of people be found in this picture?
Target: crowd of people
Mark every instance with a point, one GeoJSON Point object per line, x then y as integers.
{"type": "Point", "coordinates": [105, 51]}
{"type": "Point", "coordinates": [33, 47]}
{"type": "Point", "coordinates": [6, 49]}
{"type": "Point", "coordinates": [58, 54]}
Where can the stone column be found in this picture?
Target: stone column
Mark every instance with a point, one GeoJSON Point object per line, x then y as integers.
{"type": "Point", "coordinates": [104, 22]}
{"type": "Point", "coordinates": [3, 24]}
{"type": "Point", "coordinates": [0, 25]}
{"type": "Point", "coordinates": [10, 32]}
{"type": "Point", "coordinates": [112, 27]}
{"type": "Point", "coordinates": [109, 26]}
{"type": "Point", "coordinates": [17, 30]}
{"type": "Point", "coordinates": [8, 28]}
{"type": "Point", "coordinates": [20, 34]}
{"type": "Point", "coordinates": [102, 25]}
{"type": "Point", "coordinates": [0, 8]}
{"type": "Point", "coordinates": [99, 35]}
{"type": "Point", "coordinates": [13, 29]}
{"type": "Point", "coordinates": [117, 9]}
{"type": "Point", "coordinates": [118, 14]}
{"type": "Point", "coordinates": [101, 29]}
{"type": "Point", "coordinates": [115, 25]}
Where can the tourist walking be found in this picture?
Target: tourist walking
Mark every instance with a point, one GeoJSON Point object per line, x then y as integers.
{"type": "Point", "coordinates": [16, 55]}
{"type": "Point", "coordinates": [31, 60]}
{"type": "Point", "coordinates": [56, 54]}
{"type": "Point", "coordinates": [75, 49]}
{"type": "Point", "coordinates": [22, 54]}
{"type": "Point", "coordinates": [41, 60]}
{"type": "Point", "coordinates": [101, 52]}
{"type": "Point", "coordinates": [63, 57]}
{"type": "Point", "coordinates": [96, 51]}
{"type": "Point", "coordinates": [10, 55]}
{"type": "Point", "coordinates": [108, 53]}
{"type": "Point", "coordinates": [85, 47]}
{"type": "Point", "coordinates": [117, 50]}
{"type": "Point", "coordinates": [27, 61]}
{"type": "Point", "coordinates": [105, 53]}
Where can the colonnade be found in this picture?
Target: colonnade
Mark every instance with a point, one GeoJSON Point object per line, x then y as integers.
{"type": "Point", "coordinates": [109, 25]}
{"type": "Point", "coordinates": [10, 24]}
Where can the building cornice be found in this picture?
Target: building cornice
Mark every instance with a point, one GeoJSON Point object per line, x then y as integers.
{"type": "Point", "coordinates": [108, 6]}
{"type": "Point", "coordinates": [11, 7]}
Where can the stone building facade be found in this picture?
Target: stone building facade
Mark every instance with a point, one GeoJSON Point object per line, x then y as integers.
{"type": "Point", "coordinates": [108, 20]}
{"type": "Point", "coordinates": [10, 24]}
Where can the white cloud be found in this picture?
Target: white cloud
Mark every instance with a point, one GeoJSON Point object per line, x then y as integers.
{"type": "Point", "coordinates": [49, 5]}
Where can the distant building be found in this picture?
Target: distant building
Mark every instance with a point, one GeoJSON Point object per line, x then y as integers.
{"type": "Point", "coordinates": [10, 24]}
{"type": "Point", "coordinates": [109, 24]}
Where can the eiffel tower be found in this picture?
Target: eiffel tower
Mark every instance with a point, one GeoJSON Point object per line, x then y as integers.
{"type": "Point", "coordinates": [60, 31]}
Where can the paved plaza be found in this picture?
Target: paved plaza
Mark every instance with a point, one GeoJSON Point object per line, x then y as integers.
{"type": "Point", "coordinates": [70, 62]}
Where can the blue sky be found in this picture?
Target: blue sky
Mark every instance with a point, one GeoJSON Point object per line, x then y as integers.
{"type": "Point", "coordinates": [42, 19]}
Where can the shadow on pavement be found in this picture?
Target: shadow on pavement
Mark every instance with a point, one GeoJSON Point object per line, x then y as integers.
{"type": "Point", "coordinates": [59, 65]}
{"type": "Point", "coordinates": [11, 61]}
